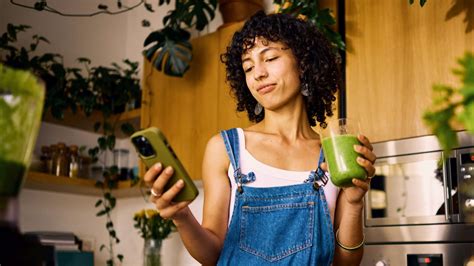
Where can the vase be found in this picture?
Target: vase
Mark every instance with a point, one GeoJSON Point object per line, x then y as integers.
{"type": "Point", "coordinates": [152, 252]}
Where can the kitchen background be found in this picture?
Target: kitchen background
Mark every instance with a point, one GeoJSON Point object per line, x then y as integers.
{"type": "Point", "coordinates": [104, 39]}
{"type": "Point", "coordinates": [395, 53]}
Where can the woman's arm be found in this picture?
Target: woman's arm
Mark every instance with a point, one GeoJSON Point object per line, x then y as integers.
{"type": "Point", "coordinates": [204, 242]}
{"type": "Point", "coordinates": [348, 218]}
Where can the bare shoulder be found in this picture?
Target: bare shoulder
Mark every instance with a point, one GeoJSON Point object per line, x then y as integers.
{"type": "Point", "coordinates": [215, 154]}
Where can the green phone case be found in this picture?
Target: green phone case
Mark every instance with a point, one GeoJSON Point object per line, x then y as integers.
{"type": "Point", "coordinates": [165, 154]}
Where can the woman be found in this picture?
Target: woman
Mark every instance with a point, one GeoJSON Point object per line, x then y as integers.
{"type": "Point", "coordinates": [263, 201]}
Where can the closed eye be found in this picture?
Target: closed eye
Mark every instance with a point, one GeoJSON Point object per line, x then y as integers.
{"type": "Point", "coordinates": [248, 69]}
{"type": "Point", "coordinates": [271, 59]}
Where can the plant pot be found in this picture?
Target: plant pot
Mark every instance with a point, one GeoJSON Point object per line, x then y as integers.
{"type": "Point", "coordinates": [238, 10]}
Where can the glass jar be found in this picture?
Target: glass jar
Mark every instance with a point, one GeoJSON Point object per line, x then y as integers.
{"type": "Point", "coordinates": [73, 162]}
{"type": "Point", "coordinates": [121, 161]}
{"type": "Point", "coordinates": [46, 162]}
{"type": "Point", "coordinates": [62, 161]}
{"type": "Point", "coordinates": [152, 252]}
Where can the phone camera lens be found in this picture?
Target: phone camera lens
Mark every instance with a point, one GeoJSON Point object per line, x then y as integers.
{"type": "Point", "coordinates": [143, 146]}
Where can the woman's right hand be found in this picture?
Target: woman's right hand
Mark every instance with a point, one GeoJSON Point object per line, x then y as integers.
{"type": "Point", "coordinates": [156, 177]}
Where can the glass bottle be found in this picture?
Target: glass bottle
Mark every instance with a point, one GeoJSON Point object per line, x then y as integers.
{"type": "Point", "coordinates": [46, 162]}
{"type": "Point", "coordinates": [73, 162]}
{"type": "Point", "coordinates": [62, 162]}
{"type": "Point", "coordinates": [54, 159]}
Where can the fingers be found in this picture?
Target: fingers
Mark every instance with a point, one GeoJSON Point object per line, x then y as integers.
{"type": "Point", "coordinates": [369, 158]}
{"type": "Point", "coordinates": [366, 152]}
{"type": "Point", "coordinates": [362, 184]}
{"type": "Point", "coordinates": [369, 167]}
{"type": "Point", "coordinates": [164, 202]}
{"type": "Point", "coordinates": [152, 173]}
{"type": "Point", "coordinates": [168, 196]}
{"type": "Point", "coordinates": [365, 141]}
{"type": "Point", "coordinates": [169, 212]}
{"type": "Point", "coordinates": [160, 183]}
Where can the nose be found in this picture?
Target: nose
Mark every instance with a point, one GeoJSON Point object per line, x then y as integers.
{"type": "Point", "coordinates": [260, 72]}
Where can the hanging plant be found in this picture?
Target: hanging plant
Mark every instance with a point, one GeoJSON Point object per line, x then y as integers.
{"type": "Point", "coordinates": [169, 49]}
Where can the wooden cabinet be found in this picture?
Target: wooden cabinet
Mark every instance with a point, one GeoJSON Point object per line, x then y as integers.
{"type": "Point", "coordinates": [191, 109]}
{"type": "Point", "coordinates": [396, 52]}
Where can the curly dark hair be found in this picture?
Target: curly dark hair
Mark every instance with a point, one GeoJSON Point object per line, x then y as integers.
{"type": "Point", "coordinates": [316, 57]}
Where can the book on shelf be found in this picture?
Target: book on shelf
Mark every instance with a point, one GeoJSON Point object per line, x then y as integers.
{"type": "Point", "coordinates": [60, 240]}
{"type": "Point", "coordinates": [66, 247]}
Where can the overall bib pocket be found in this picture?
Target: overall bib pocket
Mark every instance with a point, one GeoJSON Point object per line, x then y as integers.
{"type": "Point", "coordinates": [274, 232]}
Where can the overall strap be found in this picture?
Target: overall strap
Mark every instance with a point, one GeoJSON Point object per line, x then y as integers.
{"type": "Point", "coordinates": [231, 141]}
{"type": "Point", "coordinates": [318, 177]}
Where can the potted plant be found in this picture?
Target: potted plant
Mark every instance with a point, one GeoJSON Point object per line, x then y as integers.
{"type": "Point", "coordinates": [454, 106]}
{"type": "Point", "coordinates": [103, 89]}
{"type": "Point", "coordinates": [153, 229]}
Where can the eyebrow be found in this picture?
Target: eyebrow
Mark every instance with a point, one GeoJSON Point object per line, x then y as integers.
{"type": "Point", "coordinates": [264, 51]}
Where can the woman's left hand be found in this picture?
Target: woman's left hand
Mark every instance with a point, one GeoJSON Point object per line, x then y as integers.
{"type": "Point", "coordinates": [354, 195]}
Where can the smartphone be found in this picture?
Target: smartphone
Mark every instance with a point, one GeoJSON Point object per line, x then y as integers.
{"type": "Point", "coordinates": [152, 147]}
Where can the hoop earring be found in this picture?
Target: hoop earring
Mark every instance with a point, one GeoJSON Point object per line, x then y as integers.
{"type": "Point", "coordinates": [258, 109]}
{"type": "Point", "coordinates": [305, 90]}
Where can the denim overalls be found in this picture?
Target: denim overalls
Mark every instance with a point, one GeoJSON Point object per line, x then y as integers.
{"type": "Point", "coordinates": [286, 225]}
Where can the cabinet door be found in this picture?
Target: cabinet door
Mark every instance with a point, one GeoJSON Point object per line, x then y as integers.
{"type": "Point", "coordinates": [396, 52]}
{"type": "Point", "coordinates": [191, 109]}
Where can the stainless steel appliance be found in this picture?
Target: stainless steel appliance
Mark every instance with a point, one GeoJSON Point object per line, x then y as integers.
{"type": "Point", "coordinates": [415, 212]}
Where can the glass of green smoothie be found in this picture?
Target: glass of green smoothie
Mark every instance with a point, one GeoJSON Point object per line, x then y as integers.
{"type": "Point", "coordinates": [21, 105]}
{"type": "Point", "coordinates": [339, 138]}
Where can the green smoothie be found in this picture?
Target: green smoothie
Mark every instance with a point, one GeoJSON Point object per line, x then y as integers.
{"type": "Point", "coordinates": [11, 178]}
{"type": "Point", "coordinates": [341, 159]}
{"type": "Point", "coordinates": [21, 105]}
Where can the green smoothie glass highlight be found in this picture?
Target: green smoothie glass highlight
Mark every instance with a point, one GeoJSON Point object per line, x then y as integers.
{"type": "Point", "coordinates": [338, 139]}
{"type": "Point", "coordinates": [21, 106]}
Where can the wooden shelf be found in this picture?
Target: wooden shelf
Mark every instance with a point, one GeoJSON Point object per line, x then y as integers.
{"type": "Point", "coordinates": [80, 186]}
{"type": "Point", "coordinates": [80, 121]}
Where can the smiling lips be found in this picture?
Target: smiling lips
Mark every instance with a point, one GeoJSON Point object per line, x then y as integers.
{"type": "Point", "coordinates": [266, 88]}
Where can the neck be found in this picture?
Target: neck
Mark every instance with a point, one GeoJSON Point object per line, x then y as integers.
{"type": "Point", "coordinates": [290, 122]}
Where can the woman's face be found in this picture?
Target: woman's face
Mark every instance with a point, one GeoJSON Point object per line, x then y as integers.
{"type": "Point", "coordinates": [271, 73]}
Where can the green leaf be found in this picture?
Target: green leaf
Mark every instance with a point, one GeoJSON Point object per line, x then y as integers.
{"type": "Point", "coordinates": [107, 195]}
{"type": "Point", "coordinates": [149, 7]}
{"type": "Point", "coordinates": [109, 225]}
{"type": "Point", "coordinates": [127, 129]}
{"type": "Point", "coordinates": [325, 17]}
{"type": "Point", "coordinates": [111, 142]}
{"type": "Point", "coordinates": [101, 247]}
{"type": "Point", "coordinates": [113, 202]}
{"type": "Point", "coordinates": [12, 30]}
{"type": "Point", "coordinates": [102, 143]}
{"type": "Point", "coordinates": [97, 204]}
{"type": "Point", "coordinates": [120, 257]}
{"type": "Point", "coordinates": [101, 213]}
{"type": "Point", "coordinates": [467, 116]}
{"type": "Point", "coordinates": [423, 2]}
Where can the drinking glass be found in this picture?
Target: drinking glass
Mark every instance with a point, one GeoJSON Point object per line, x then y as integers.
{"type": "Point", "coordinates": [338, 139]}
{"type": "Point", "coordinates": [21, 106]}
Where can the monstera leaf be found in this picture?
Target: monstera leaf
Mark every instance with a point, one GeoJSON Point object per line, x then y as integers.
{"type": "Point", "coordinates": [197, 13]}
{"type": "Point", "coordinates": [171, 51]}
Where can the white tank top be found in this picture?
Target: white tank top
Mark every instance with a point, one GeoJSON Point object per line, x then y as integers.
{"type": "Point", "coordinates": [268, 176]}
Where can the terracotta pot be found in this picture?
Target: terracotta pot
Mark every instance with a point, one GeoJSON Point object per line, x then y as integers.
{"type": "Point", "coordinates": [238, 10]}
